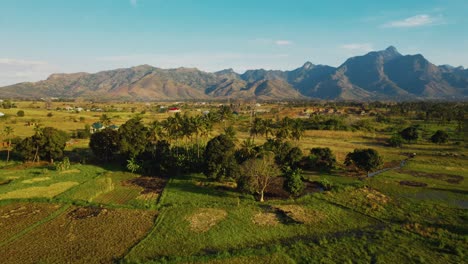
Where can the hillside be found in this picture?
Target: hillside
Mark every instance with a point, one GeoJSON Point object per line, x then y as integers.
{"type": "Point", "coordinates": [382, 75]}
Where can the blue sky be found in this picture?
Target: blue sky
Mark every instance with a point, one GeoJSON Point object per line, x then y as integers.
{"type": "Point", "coordinates": [39, 37]}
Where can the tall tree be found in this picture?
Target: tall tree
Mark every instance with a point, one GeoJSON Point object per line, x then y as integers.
{"type": "Point", "coordinates": [105, 144]}
{"type": "Point", "coordinates": [133, 138]}
{"type": "Point", "coordinates": [8, 131]}
{"type": "Point", "coordinates": [220, 162]}
{"type": "Point", "coordinates": [258, 173]}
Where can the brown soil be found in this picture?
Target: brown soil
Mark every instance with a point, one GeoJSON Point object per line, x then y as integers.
{"type": "Point", "coordinates": [149, 184]}
{"type": "Point", "coordinates": [413, 183]}
{"type": "Point", "coordinates": [266, 219]}
{"type": "Point", "coordinates": [205, 218]}
{"type": "Point", "coordinates": [454, 179]}
{"type": "Point", "coordinates": [86, 212]}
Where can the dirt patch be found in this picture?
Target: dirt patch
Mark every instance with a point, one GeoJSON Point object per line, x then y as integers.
{"type": "Point", "coordinates": [413, 183]}
{"type": "Point", "coordinates": [368, 197]}
{"type": "Point", "coordinates": [39, 179]}
{"type": "Point", "coordinates": [266, 219]}
{"type": "Point", "coordinates": [299, 214]}
{"type": "Point", "coordinates": [454, 179]}
{"type": "Point", "coordinates": [205, 218]}
{"type": "Point", "coordinates": [86, 212]}
{"type": "Point", "coordinates": [149, 184]}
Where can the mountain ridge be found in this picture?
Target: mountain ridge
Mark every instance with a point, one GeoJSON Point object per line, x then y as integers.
{"type": "Point", "coordinates": [377, 75]}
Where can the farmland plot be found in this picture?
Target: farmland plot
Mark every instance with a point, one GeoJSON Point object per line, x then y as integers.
{"type": "Point", "coordinates": [81, 235]}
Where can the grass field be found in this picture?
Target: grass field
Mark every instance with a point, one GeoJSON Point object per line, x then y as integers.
{"type": "Point", "coordinates": [102, 214]}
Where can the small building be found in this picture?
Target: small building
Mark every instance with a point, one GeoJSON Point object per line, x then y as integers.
{"type": "Point", "coordinates": [114, 127]}
{"type": "Point", "coordinates": [174, 110]}
{"type": "Point", "coordinates": [98, 126]}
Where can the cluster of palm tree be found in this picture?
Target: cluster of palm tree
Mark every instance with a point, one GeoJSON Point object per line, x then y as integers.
{"type": "Point", "coordinates": [182, 127]}
{"type": "Point", "coordinates": [286, 128]}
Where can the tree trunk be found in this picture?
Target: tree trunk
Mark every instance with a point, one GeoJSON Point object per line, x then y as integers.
{"type": "Point", "coordinates": [8, 151]}
{"type": "Point", "coordinates": [261, 197]}
{"type": "Point", "coordinates": [36, 155]}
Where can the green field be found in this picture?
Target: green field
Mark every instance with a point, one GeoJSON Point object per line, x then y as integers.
{"type": "Point", "coordinates": [100, 213]}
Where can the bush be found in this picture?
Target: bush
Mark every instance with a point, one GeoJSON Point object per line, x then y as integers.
{"type": "Point", "coordinates": [410, 133]}
{"type": "Point", "coordinates": [293, 183]}
{"type": "Point", "coordinates": [364, 159]}
{"type": "Point", "coordinates": [395, 141]}
{"type": "Point", "coordinates": [50, 114]}
{"type": "Point", "coordinates": [439, 137]}
{"type": "Point", "coordinates": [321, 159]}
{"type": "Point", "coordinates": [20, 113]}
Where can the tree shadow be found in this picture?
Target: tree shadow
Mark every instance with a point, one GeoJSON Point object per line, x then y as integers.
{"type": "Point", "coordinates": [187, 185]}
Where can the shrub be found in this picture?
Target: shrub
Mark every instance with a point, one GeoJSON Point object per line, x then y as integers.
{"type": "Point", "coordinates": [439, 137]}
{"type": "Point", "coordinates": [364, 159]}
{"type": "Point", "coordinates": [20, 113]}
{"type": "Point", "coordinates": [321, 159]}
{"type": "Point", "coordinates": [293, 183]}
{"type": "Point", "coordinates": [395, 141]}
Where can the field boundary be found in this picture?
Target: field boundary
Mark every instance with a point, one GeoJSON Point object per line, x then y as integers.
{"type": "Point", "coordinates": [30, 228]}
{"type": "Point", "coordinates": [157, 222]}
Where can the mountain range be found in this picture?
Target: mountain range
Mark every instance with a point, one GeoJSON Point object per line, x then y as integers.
{"type": "Point", "coordinates": [378, 75]}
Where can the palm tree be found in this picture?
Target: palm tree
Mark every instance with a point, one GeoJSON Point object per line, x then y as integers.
{"type": "Point", "coordinates": [225, 114]}
{"type": "Point", "coordinates": [8, 131]}
{"type": "Point", "coordinates": [284, 128]}
{"type": "Point", "coordinates": [256, 128]}
{"type": "Point", "coordinates": [198, 127]}
{"type": "Point", "coordinates": [105, 120]}
{"type": "Point", "coordinates": [297, 129]}
{"type": "Point", "coordinates": [156, 131]}
{"type": "Point", "coordinates": [37, 140]}
{"type": "Point", "coordinates": [267, 127]}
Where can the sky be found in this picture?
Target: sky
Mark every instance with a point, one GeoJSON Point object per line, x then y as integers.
{"type": "Point", "coordinates": [40, 37]}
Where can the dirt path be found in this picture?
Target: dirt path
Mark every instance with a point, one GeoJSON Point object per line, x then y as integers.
{"type": "Point", "coordinates": [402, 164]}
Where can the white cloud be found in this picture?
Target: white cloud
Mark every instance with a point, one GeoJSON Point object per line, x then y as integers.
{"type": "Point", "coordinates": [415, 21]}
{"type": "Point", "coordinates": [357, 47]}
{"type": "Point", "coordinates": [19, 70]}
{"type": "Point", "coordinates": [134, 2]}
{"type": "Point", "coordinates": [271, 42]}
{"type": "Point", "coordinates": [283, 42]}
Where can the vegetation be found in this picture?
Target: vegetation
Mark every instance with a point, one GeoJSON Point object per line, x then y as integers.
{"type": "Point", "coordinates": [440, 137]}
{"type": "Point", "coordinates": [364, 159]}
{"type": "Point", "coordinates": [293, 181]}
{"type": "Point", "coordinates": [168, 207]}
